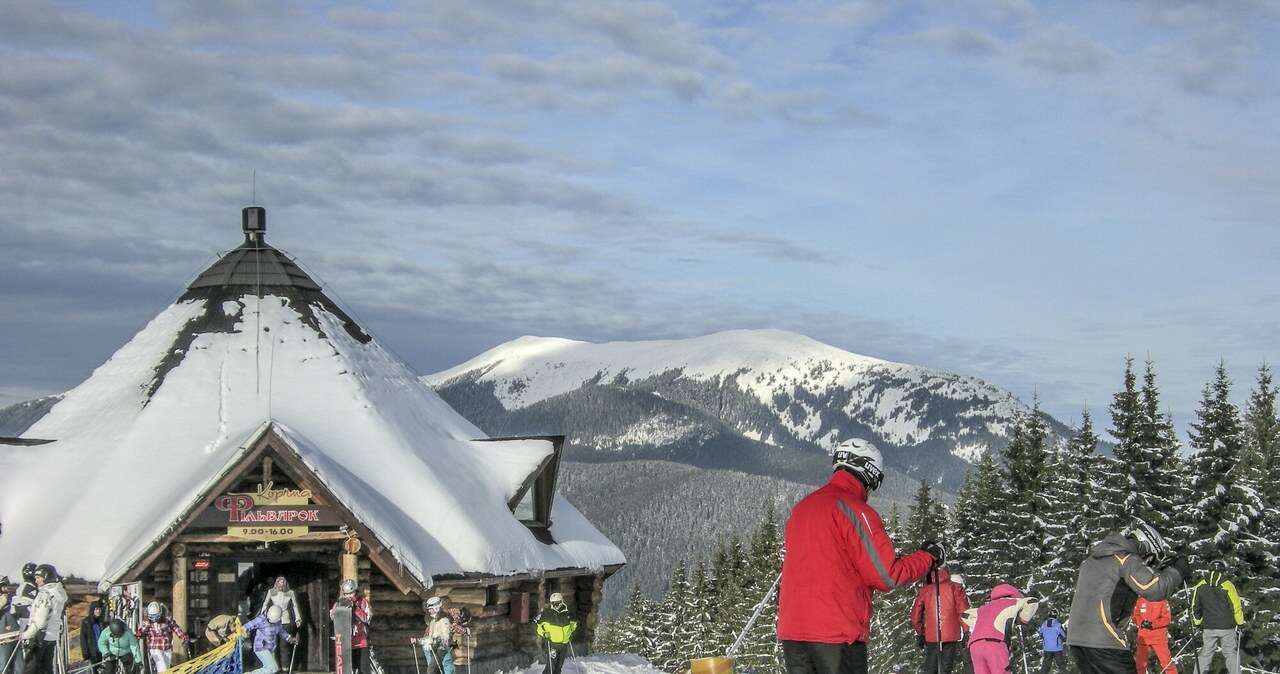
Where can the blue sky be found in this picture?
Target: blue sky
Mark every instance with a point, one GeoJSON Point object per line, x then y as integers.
{"type": "Point", "coordinates": [1020, 191]}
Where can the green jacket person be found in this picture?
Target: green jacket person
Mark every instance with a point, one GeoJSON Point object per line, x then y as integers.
{"type": "Point", "coordinates": [556, 626]}
{"type": "Point", "coordinates": [1215, 608]}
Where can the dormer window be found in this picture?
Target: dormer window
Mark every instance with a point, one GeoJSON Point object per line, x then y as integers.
{"type": "Point", "coordinates": [531, 503]}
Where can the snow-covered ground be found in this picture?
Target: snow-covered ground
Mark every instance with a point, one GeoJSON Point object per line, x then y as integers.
{"type": "Point", "coordinates": [598, 664]}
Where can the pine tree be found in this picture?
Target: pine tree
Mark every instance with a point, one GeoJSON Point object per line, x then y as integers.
{"type": "Point", "coordinates": [927, 519]}
{"type": "Point", "coordinates": [760, 649]}
{"type": "Point", "coordinates": [980, 523]}
{"type": "Point", "coordinates": [1219, 442]}
{"type": "Point", "coordinates": [670, 654]}
{"type": "Point", "coordinates": [1026, 457]}
{"type": "Point", "coordinates": [634, 631]}
{"type": "Point", "coordinates": [1147, 449]}
{"type": "Point", "coordinates": [1262, 450]}
{"type": "Point", "coordinates": [892, 647]}
{"type": "Point", "coordinates": [700, 629]}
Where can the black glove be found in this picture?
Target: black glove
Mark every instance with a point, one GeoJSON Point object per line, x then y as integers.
{"type": "Point", "coordinates": [936, 550]}
{"type": "Point", "coordinates": [29, 645]}
{"type": "Point", "coordinates": [1180, 564]}
{"type": "Point", "coordinates": [1146, 625]}
{"type": "Point", "coordinates": [920, 640]}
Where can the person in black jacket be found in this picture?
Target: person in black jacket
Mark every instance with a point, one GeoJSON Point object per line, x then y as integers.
{"type": "Point", "coordinates": [556, 625]}
{"type": "Point", "coordinates": [1215, 609]}
{"type": "Point", "coordinates": [90, 629]}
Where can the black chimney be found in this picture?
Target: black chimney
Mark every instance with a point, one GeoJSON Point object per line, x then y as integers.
{"type": "Point", "coordinates": [253, 219]}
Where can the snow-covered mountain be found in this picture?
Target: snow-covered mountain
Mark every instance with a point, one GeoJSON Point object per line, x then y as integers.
{"type": "Point", "coordinates": [731, 398]}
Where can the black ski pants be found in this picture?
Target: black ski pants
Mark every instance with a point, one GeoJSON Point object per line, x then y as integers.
{"type": "Point", "coordinates": [1055, 659]}
{"type": "Point", "coordinates": [808, 657]}
{"type": "Point", "coordinates": [556, 653]}
{"type": "Point", "coordinates": [38, 659]}
{"type": "Point", "coordinates": [1104, 660]}
{"type": "Point", "coordinates": [948, 654]}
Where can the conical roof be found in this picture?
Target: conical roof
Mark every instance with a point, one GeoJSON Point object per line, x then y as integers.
{"type": "Point", "coordinates": [255, 265]}
{"type": "Point", "coordinates": [152, 428]}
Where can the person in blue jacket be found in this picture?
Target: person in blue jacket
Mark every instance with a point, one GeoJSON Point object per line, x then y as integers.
{"type": "Point", "coordinates": [267, 632]}
{"type": "Point", "coordinates": [1054, 637]}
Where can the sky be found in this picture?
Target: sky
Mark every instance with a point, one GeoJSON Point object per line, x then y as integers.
{"type": "Point", "coordinates": [1021, 191]}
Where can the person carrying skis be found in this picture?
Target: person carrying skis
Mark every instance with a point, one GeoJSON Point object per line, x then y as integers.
{"type": "Point", "coordinates": [1152, 619]}
{"type": "Point", "coordinates": [283, 598]}
{"type": "Point", "coordinates": [48, 615]}
{"type": "Point", "coordinates": [437, 642]}
{"type": "Point", "coordinates": [460, 621]}
{"type": "Point", "coordinates": [556, 625]}
{"type": "Point", "coordinates": [91, 628]}
{"type": "Point", "coordinates": [1053, 637]}
{"type": "Point", "coordinates": [940, 602]}
{"type": "Point", "coordinates": [268, 630]}
{"type": "Point", "coordinates": [361, 614]}
{"type": "Point", "coordinates": [837, 554]}
{"type": "Point", "coordinates": [1215, 609]}
{"type": "Point", "coordinates": [9, 629]}
{"type": "Point", "coordinates": [119, 648]}
{"type": "Point", "coordinates": [992, 625]}
{"type": "Point", "coordinates": [157, 632]}
{"type": "Point", "coordinates": [1115, 573]}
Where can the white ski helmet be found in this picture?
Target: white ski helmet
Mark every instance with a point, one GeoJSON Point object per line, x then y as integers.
{"type": "Point", "coordinates": [861, 458]}
{"type": "Point", "coordinates": [557, 598]}
{"type": "Point", "coordinates": [274, 614]}
{"type": "Point", "coordinates": [154, 610]}
{"type": "Point", "coordinates": [1151, 545]}
{"type": "Point", "coordinates": [348, 586]}
{"type": "Point", "coordinates": [433, 603]}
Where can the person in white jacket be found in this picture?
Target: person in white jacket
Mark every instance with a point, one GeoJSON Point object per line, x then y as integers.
{"type": "Point", "coordinates": [282, 596]}
{"type": "Point", "coordinates": [48, 615]}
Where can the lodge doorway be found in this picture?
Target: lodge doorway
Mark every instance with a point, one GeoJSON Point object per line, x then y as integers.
{"type": "Point", "coordinates": [243, 590]}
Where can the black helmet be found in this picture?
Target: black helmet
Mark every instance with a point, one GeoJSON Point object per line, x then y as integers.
{"type": "Point", "coordinates": [49, 573]}
{"type": "Point", "coordinates": [29, 571]}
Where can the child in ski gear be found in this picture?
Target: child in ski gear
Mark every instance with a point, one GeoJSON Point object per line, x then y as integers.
{"type": "Point", "coordinates": [267, 632]}
{"type": "Point", "coordinates": [283, 598]}
{"type": "Point", "coordinates": [1054, 637]}
{"type": "Point", "coordinates": [556, 625]}
{"type": "Point", "coordinates": [1114, 574]}
{"type": "Point", "coordinates": [991, 626]}
{"type": "Point", "coordinates": [119, 648]}
{"type": "Point", "coordinates": [361, 614]}
{"type": "Point", "coordinates": [437, 641]}
{"type": "Point", "coordinates": [1152, 619]}
{"type": "Point", "coordinates": [48, 615]}
{"type": "Point", "coordinates": [940, 601]}
{"type": "Point", "coordinates": [157, 632]}
{"type": "Point", "coordinates": [1215, 609]}
{"type": "Point", "coordinates": [91, 628]}
{"type": "Point", "coordinates": [838, 554]}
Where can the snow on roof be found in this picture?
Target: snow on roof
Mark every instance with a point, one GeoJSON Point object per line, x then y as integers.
{"type": "Point", "coordinates": [126, 465]}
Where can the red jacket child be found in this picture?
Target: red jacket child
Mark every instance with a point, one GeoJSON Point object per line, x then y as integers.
{"type": "Point", "coordinates": [1152, 619]}
{"type": "Point", "coordinates": [953, 602]}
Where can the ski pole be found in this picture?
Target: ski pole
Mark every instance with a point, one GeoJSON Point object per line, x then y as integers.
{"type": "Point", "coordinates": [16, 647]}
{"type": "Point", "coordinates": [414, 647]}
{"type": "Point", "coordinates": [1022, 641]}
{"type": "Point", "coordinates": [293, 654]}
{"type": "Point", "coordinates": [574, 656]}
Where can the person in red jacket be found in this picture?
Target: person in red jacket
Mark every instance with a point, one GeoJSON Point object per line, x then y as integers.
{"type": "Point", "coordinates": [837, 554]}
{"type": "Point", "coordinates": [940, 601]}
{"type": "Point", "coordinates": [1152, 619]}
{"type": "Point", "coordinates": [361, 615]}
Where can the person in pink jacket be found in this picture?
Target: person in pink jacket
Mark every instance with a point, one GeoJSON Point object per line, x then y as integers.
{"type": "Point", "coordinates": [991, 626]}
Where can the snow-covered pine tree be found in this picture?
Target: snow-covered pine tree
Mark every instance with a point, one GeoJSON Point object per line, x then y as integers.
{"type": "Point", "coordinates": [1218, 439]}
{"type": "Point", "coordinates": [1262, 448]}
{"type": "Point", "coordinates": [760, 649]}
{"type": "Point", "coordinates": [1063, 522]}
{"type": "Point", "coordinates": [700, 629]}
{"type": "Point", "coordinates": [892, 645]}
{"type": "Point", "coordinates": [634, 631]}
{"type": "Point", "coordinates": [1147, 449]}
{"type": "Point", "coordinates": [670, 654]}
{"type": "Point", "coordinates": [1025, 460]}
{"type": "Point", "coordinates": [927, 519]}
{"type": "Point", "coordinates": [979, 523]}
